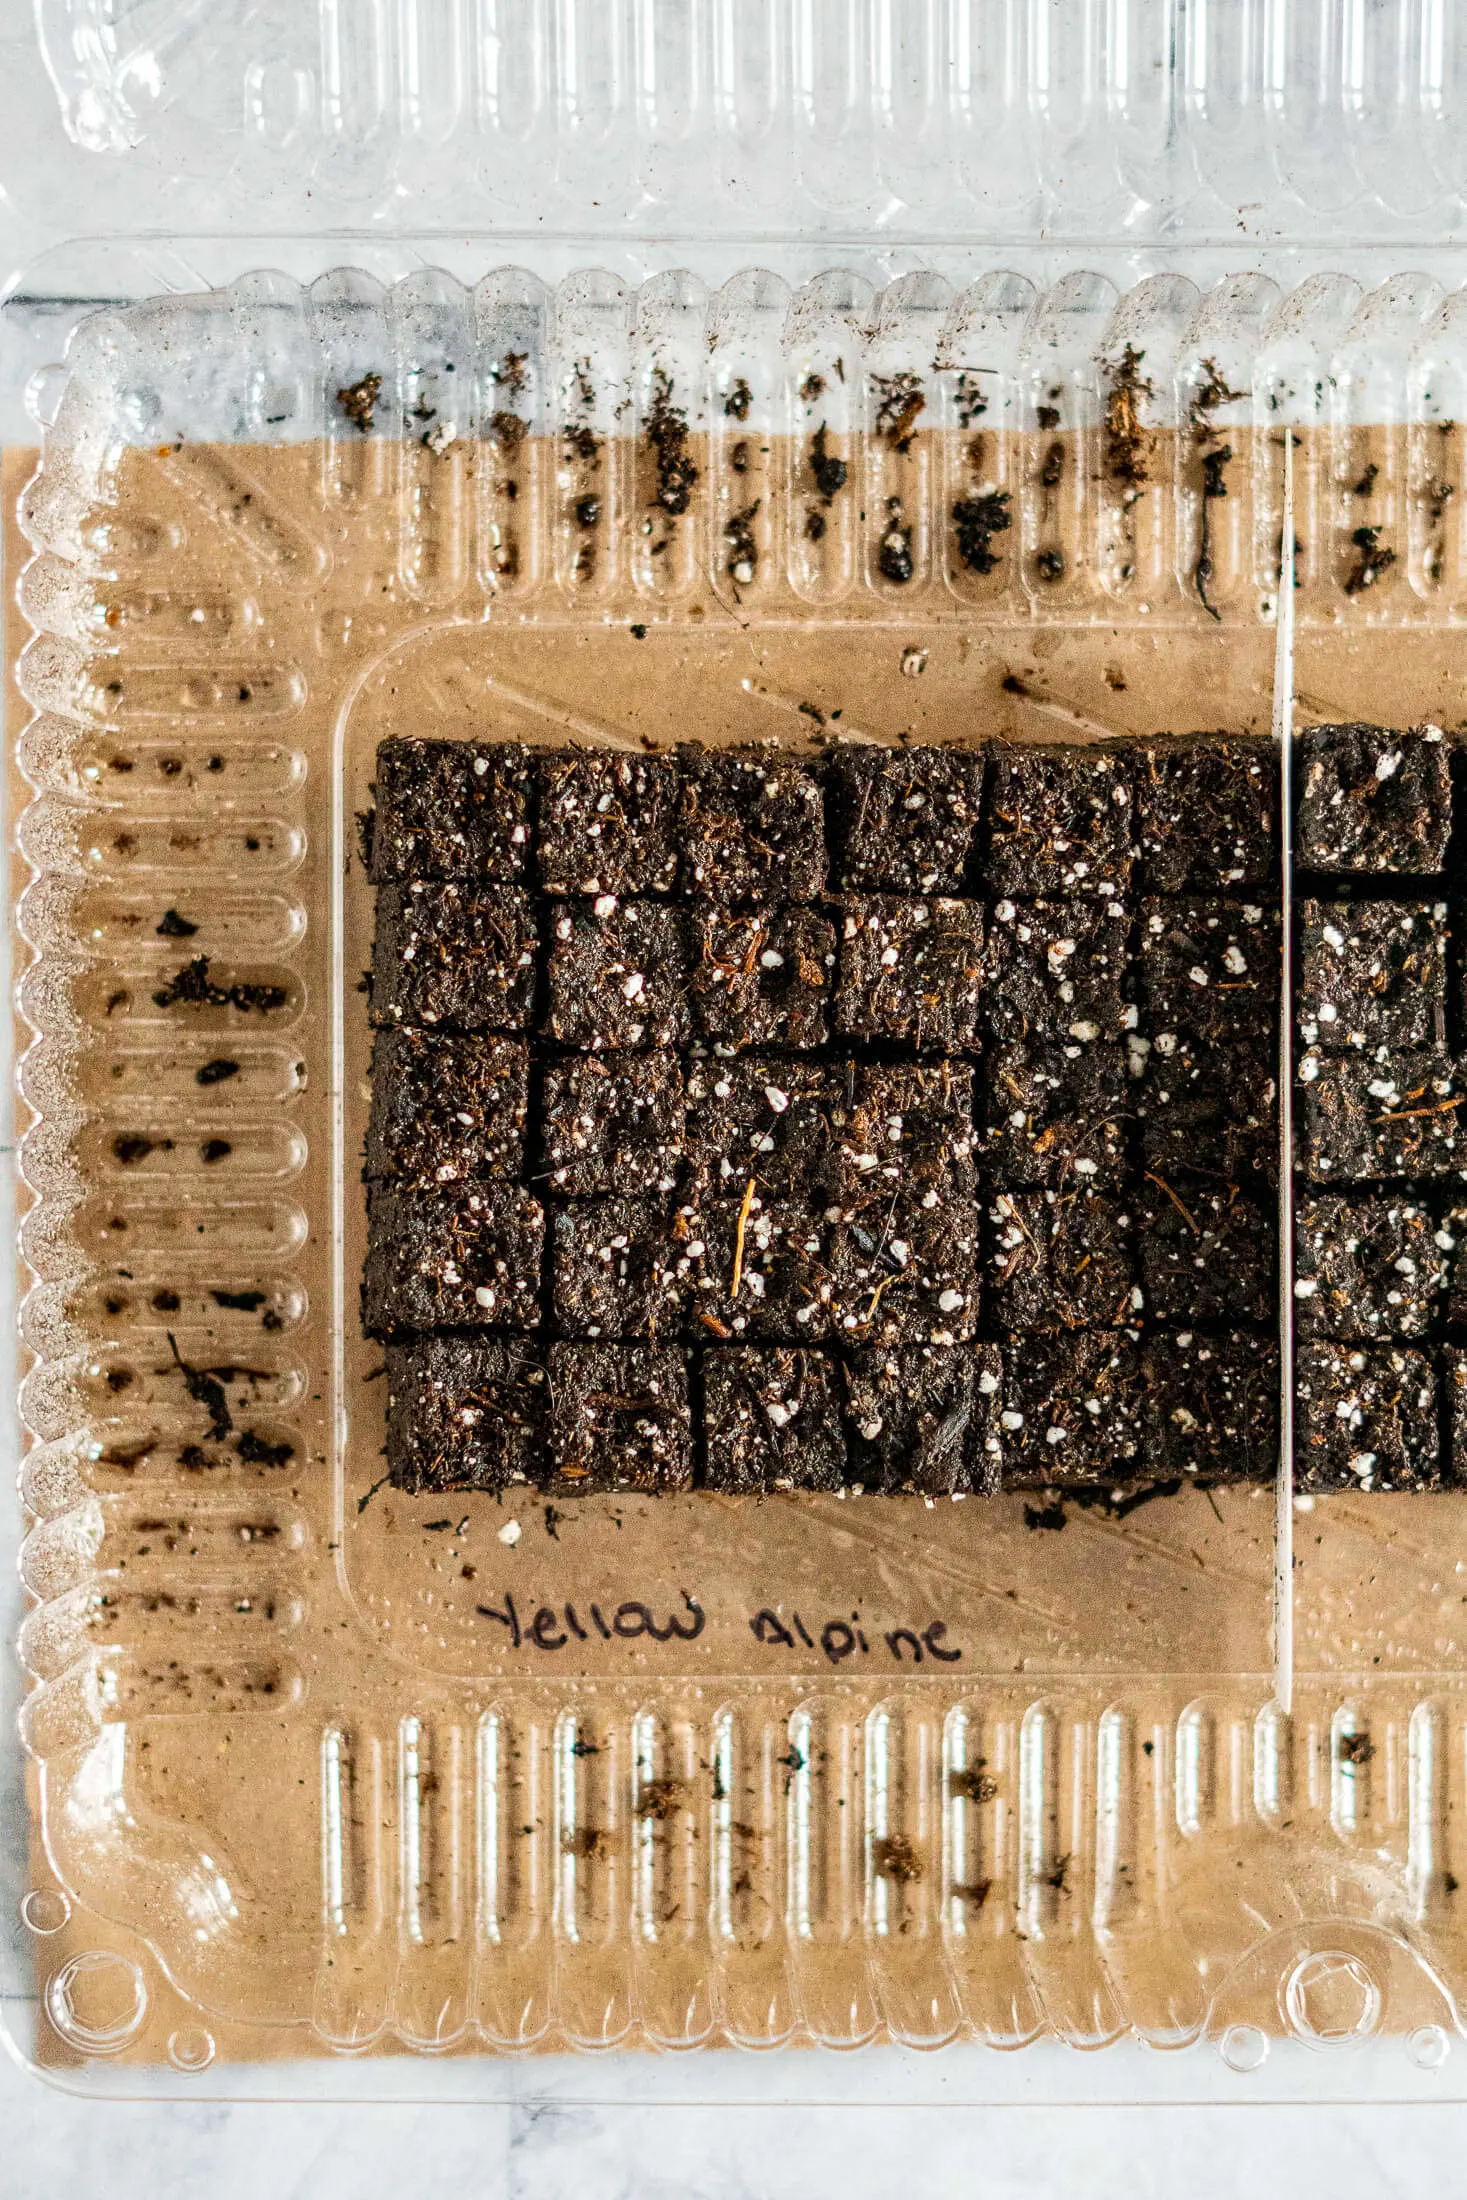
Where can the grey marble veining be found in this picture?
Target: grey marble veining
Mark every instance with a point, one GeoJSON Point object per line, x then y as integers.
{"type": "Point", "coordinates": [59, 2147]}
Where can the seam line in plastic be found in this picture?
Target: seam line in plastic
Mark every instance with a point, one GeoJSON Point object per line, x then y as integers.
{"type": "Point", "coordinates": [1283, 726]}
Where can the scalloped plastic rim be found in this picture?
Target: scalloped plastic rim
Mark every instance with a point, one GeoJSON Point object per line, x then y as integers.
{"type": "Point", "coordinates": [1372, 347]}
{"type": "Point", "coordinates": [955, 118]}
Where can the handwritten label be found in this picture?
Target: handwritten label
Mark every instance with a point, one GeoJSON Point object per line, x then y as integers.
{"type": "Point", "coordinates": [553, 1627]}
{"type": "Point", "coordinates": [840, 1639]}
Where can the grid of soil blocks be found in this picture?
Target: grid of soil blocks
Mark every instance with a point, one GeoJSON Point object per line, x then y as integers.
{"type": "Point", "coordinates": [876, 1121]}
{"type": "Point", "coordinates": [1380, 1135]}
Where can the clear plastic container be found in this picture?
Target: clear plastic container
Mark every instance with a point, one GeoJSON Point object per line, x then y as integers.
{"type": "Point", "coordinates": [307, 1778]}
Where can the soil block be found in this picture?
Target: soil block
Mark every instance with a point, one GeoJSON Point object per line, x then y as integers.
{"type": "Point", "coordinates": [1372, 973]}
{"type": "Point", "coordinates": [1209, 968]}
{"type": "Point", "coordinates": [619, 1419]}
{"type": "Point", "coordinates": [908, 1273]}
{"type": "Point", "coordinates": [1207, 814]}
{"type": "Point", "coordinates": [618, 973]}
{"type": "Point", "coordinates": [1207, 1252]}
{"type": "Point", "coordinates": [1371, 1267]}
{"type": "Point", "coordinates": [1209, 1110]}
{"type": "Point", "coordinates": [451, 810]}
{"type": "Point", "coordinates": [462, 1256]}
{"type": "Point", "coordinates": [1366, 1418]}
{"type": "Point", "coordinates": [447, 1106]}
{"type": "Point", "coordinates": [619, 1268]}
{"type": "Point", "coordinates": [772, 1420]}
{"type": "Point", "coordinates": [912, 971]}
{"type": "Point", "coordinates": [765, 1269]}
{"type": "Point", "coordinates": [454, 955]}
{"type": "Point", "coordinates": [613, 1123]}
{"type": "Point", "coordinates": [1385, 1113]}
{"type": "Point", "coordinates": [465, 1413]}
{"type": "Point", "coordinates": [1372, 799]}
{"type": "Point", "coordinates": [1059, 822]}
{"type": "Point", "coordinates": [1057, 1114]}
{"type": "Point", "coordinates": [907, 1129]}
{"type": "Point", "coordinates": [926, 1418]}
{"type": "Point", "coordinates": [905, 819]}
{"type": "Point", "coordinates": [752, 826]}
{"type": "Point", "coordinates": [608, 823]}
{"type": "Point", "coordinates": [762, 978]}
{"type": "Point", "coordinates": [1061, 1260]}
{"type": "Point", "coordinates": [1072, 1410]}
{"type": "Point", "coordinates": [1056, 972]}
{"type": "Point", "coordinates": [1212, 1405]}
{"type": "Point", "coordinates": [766, 1118]}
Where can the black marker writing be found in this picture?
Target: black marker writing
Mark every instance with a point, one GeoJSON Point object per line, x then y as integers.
{"type": "Point", "coordinates": [553, 1625]}
{"type": "Point", "coordinates": [841, 1639]}
{"type": "Point", "coordinates": [506, 1618]}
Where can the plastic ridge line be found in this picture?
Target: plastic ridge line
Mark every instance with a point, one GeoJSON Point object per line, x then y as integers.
{"type": "Point", "coordinates": [1283, 727]}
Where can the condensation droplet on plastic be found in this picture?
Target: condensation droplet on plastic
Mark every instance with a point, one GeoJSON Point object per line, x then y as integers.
{"type": "Point", "coordinates": [191, 2048]}
{"type": "Point", "coordinates": [1331, 1998]}
{"type": "Point", "coordinates": [1428, 2046]}
{"type": "Point", "coordinates": [97, 2001]}
{"type": "Point", "coordinates": [1244, 2047]}
{"type": "Point", "coordinates": [44, 1909]}
{"type": "Point", "coordinates": [43, 393]}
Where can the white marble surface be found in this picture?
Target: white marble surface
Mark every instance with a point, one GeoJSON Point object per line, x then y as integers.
{"type": "Point", "coordinates": [64, 2148]}
{"type": "Point", "coordinates": [56, 2146]}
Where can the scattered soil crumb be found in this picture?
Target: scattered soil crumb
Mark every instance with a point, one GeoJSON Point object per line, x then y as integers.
{"type": "Point", "coordinates": [742, 561]}
{"type": "Point", "coordinates": [900, 400]}
{"type": "Point", "coordinates": [1212, 392]}
{"type": "Point", "coordinates": [660, 1800]}
{"type": "Point", "coordinates": [830, 472]}
{"type": "Point", "coordinates": [1370, 561]}
{"type": "Point", "coordinates": [1125, 441]}
{"type": "Point", "coordinates": [192, 987]}
{"type": "Point", "coordinates": [976, 520]}
{"type": "Point", "coordinates": [359, 401]}
{"type": "Point", "coordinates": [894, 1857]}
{"type": "Point", "coordinates": [973, 1785]}
{"type": "Point", "coordinates": [667, 434]}
{"type": "Point", "coordinates": [1214, 485]}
